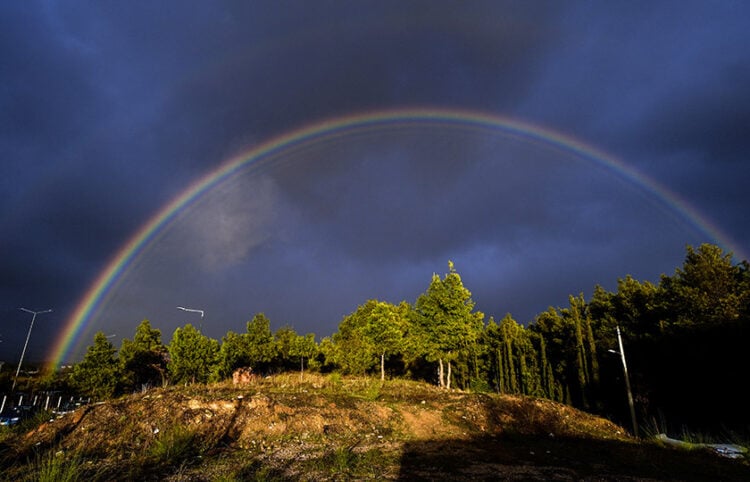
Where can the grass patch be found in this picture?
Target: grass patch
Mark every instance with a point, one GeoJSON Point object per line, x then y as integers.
{"type": "Point", "coordinates": [256, 471]}
{"type": "Point", "coordinates": [174, 446]}
{"type": "Point", "coordinates": [57, 466]}
{"type": "Point", "coordinates": [654, 427]}
{"type": "Point", "coordinates": [348, 463]}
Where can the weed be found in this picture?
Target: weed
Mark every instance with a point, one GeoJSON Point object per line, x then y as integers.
{"type": "Point", "coordinates": [34, 421]}
{"type": "Point", "coordinates": [174, 446]}
{"type": "Point", "coordinates": [371, 390]}
{"type": "Point", "coordinates": [56, 467]}
{"type": "Point", "coordinates": [653, 428]}
{"type": "Point", "coordinates": [348, 463]}
{"type": "Point", "coordinates": [335, 381]}
{"type": "Point", "coordinates": [6, 433]}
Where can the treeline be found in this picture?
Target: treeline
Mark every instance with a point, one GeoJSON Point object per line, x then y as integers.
{"type": "Point", "coordinates": [686, 340]}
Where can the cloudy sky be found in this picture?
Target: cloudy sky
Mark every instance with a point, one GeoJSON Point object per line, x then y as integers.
{"type": "Point", "coordinates": [109, 111]}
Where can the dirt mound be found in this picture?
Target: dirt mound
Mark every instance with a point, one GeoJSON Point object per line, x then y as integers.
{"type": "Point", "coordinates": [322, 429]}
{"type": "Point", "coordinates": [250, 416]}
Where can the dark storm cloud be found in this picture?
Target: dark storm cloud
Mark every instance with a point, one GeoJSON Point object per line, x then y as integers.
{"type": "Point", "coordinates": [713, 122]}
{"type": "Point", "coordinates": [47, 94]}
{"type": "Point", "coordinates": [110, 110]}
{"type": "Point", "coordinates": [391, 56]}
{"type": "Point", "coordinates": [661, 87]}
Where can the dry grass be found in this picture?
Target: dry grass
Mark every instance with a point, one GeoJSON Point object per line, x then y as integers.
{"type": "Point", "coordinates": [341, 428]}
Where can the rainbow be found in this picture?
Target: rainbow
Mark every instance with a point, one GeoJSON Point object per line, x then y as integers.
{"type": "Point", "coordinates": [384, 119]}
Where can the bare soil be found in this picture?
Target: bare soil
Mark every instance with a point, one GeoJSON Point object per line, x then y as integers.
{"type": "Point", "coordinates": [329, 428]}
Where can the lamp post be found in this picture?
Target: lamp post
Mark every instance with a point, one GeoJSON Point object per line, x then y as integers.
{"type": "Point", "coordinates": [627, 381]}
{"type": "Point", "coordinates": [191, 310]}
{"type": "Point", "coordinates": [33, 317]}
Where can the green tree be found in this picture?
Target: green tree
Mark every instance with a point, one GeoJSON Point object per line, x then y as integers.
{"type": "Point", "coordinates": [260, 343]}
{"type": "Point", "coordinates": [327, 356]}
{"type": "Point", "coordinates": [384, 327]}
{"type": "Point", "coordinates": [285, 339]}
{"type": "Point", "coordinates": [233, 353]}
{"type": "Point", "coordinates": [304, 348]}
{"type": "Point", "coordinates": [551, 387]}
{"type": "Point", "coordinates": [292, 349]}
{"type": "Point", "coordinates": [447, 321]}
{"type": "Point", "coordinates": [353, 351]}
{"type": "Point", "coordinates": [144, 359]}
{"type": "Point", "coordinates": [706, 290]}
{"type": "Point", "coordinates": [513, 358]}
{"type": "Point", "coordinates": [97, 375]}
{"type": "Point", "coordinates": [557, 337]}
{"type": "Point", "coordinates": [586, 362]}
{"type": "Point", "coordinates": [192, 355]}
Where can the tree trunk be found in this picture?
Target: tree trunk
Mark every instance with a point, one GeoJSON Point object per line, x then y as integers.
{"type": "Point", "coordinates": [500, 372]}
{"type": "Point", "coordinates": [448, 381]}
{"type": "Point", "coordinates": [382, 367]}
{"type": "Point", "coordinates": [441, 379]}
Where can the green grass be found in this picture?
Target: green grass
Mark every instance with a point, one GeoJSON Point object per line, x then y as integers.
{"type": "Point", "coordinates": [348, 463]}
{"type": "Point", "coordinates": [57, 466]}
{"type": "Point", "coordinates": [652, 428]}
{"type": "Point", "coordinates": [174, 446]}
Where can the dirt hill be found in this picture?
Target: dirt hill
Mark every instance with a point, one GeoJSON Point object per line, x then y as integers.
{"type": "Point", "coordinates": [333, 428]}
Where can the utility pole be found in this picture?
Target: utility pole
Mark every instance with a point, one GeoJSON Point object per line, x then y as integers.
{"type": "Point", "coordinates": [627, 381]}
{"type": "Point", "coordinates": [34, 313]}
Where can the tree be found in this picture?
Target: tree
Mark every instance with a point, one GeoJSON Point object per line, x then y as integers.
{"type": "Point", "coordinates": [233, 353]}
{"type": "Point", "coordinates": [384, 327]}
{"type": "Point", "coordinates": [260, 343]}
{"type": "Point", "coordinates": [556, 336]}
{"type": "Point", "coordinates": [98, 373]}
{"type": "Point", "coordinates": [304, 347]}
{"type": "Point", "coordinates": [353, 350]}
{"type": "Point", "coordinates": [515, 358]}
{"type": "Point", "coordinates": [284, 341]}
{"type": "Point", "coordinates": [192, 355]}
{"type": "Point", "coordinates": [447, 321]}
{"type": "Point", "coordinates": [292, 349]}
{"type": "Point", "coordinates": [707, 290]}
{"type": "Point", "coordinates": [143, 360]}
{"type": "Point", "coordinates": [586, 361]}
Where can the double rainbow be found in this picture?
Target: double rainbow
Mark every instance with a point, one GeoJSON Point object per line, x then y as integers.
{"type": "Point", "coordinates": [138, 243]}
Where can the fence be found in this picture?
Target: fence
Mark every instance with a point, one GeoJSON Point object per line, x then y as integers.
{"type": "Point", "coordinates": [53, 401]}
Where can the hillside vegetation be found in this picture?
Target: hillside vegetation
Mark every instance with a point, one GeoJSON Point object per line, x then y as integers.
{"type": "Point", "coordinates": [674, 332]}
{"type": "Point", "coordinates": [341, 428]}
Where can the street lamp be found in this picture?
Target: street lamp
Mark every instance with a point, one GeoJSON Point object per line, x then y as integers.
{"type": "Point", "coordinates": [627, 381]}
{"type": "Point", "coordinates": [34, 313]}
{"type": "Point", "coordinates": [200, 326]}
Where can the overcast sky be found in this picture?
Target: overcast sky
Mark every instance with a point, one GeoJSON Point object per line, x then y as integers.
{"type": "Point", "coordinates": [111, 110]}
